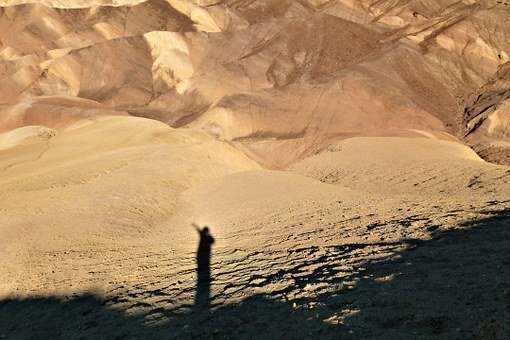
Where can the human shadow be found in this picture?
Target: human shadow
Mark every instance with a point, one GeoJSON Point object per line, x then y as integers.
{"type": "Point", "coordinates": [454, 286]}
{"type": "Point", "coordinates": [203, 258]}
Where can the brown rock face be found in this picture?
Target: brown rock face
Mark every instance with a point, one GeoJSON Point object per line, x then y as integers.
{"type": "Point", "coordinates": [279, 79]}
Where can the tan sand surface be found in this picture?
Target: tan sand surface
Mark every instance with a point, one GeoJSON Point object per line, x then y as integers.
{"type": "Point", "coordinates": [350, 159]}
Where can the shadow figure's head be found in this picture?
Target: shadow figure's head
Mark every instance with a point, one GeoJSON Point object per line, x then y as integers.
{"type": "Point", "coordinates": [206, 230]}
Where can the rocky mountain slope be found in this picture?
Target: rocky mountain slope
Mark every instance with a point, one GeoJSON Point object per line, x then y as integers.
{"type": "Point", "coordinates": [350, 158]}
{"type": "Point", "coordinates": [279, 79]}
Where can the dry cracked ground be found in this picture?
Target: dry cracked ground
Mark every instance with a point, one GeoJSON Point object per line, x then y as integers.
{"type": "Point", "coordinates": [350, 157]}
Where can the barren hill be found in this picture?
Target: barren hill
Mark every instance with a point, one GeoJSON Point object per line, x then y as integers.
{"type": "Point", "coordinates": [349, 157]}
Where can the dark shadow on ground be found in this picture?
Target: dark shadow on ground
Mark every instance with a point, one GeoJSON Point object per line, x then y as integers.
{"type": "Point", "coordinates": [204, 279]}
{"type": "Point", "coordinates": [87, 317]}
{"type": "Point", "coordinates": [455, 286]}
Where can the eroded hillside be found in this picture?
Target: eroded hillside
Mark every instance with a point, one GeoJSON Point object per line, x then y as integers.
{"type": "Point", "coordinates": [349, 156]}
{"type": "Point", "coordinates": [278, 79]}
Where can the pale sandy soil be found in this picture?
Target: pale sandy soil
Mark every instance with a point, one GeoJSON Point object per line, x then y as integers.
{"type": "Point", "coordinates": [374, 237]}
{"type": "Point", "coordinates": [332, 147]}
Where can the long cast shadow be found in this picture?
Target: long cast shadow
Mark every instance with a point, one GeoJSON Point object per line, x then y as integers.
{"type": "Point", "coordinates": [455, 286]}
{"type": "Point", "coordinates": [203, 285]}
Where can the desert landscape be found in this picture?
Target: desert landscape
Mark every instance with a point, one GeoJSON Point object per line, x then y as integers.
{"type": "Point", "coordinates": [350, 160]}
